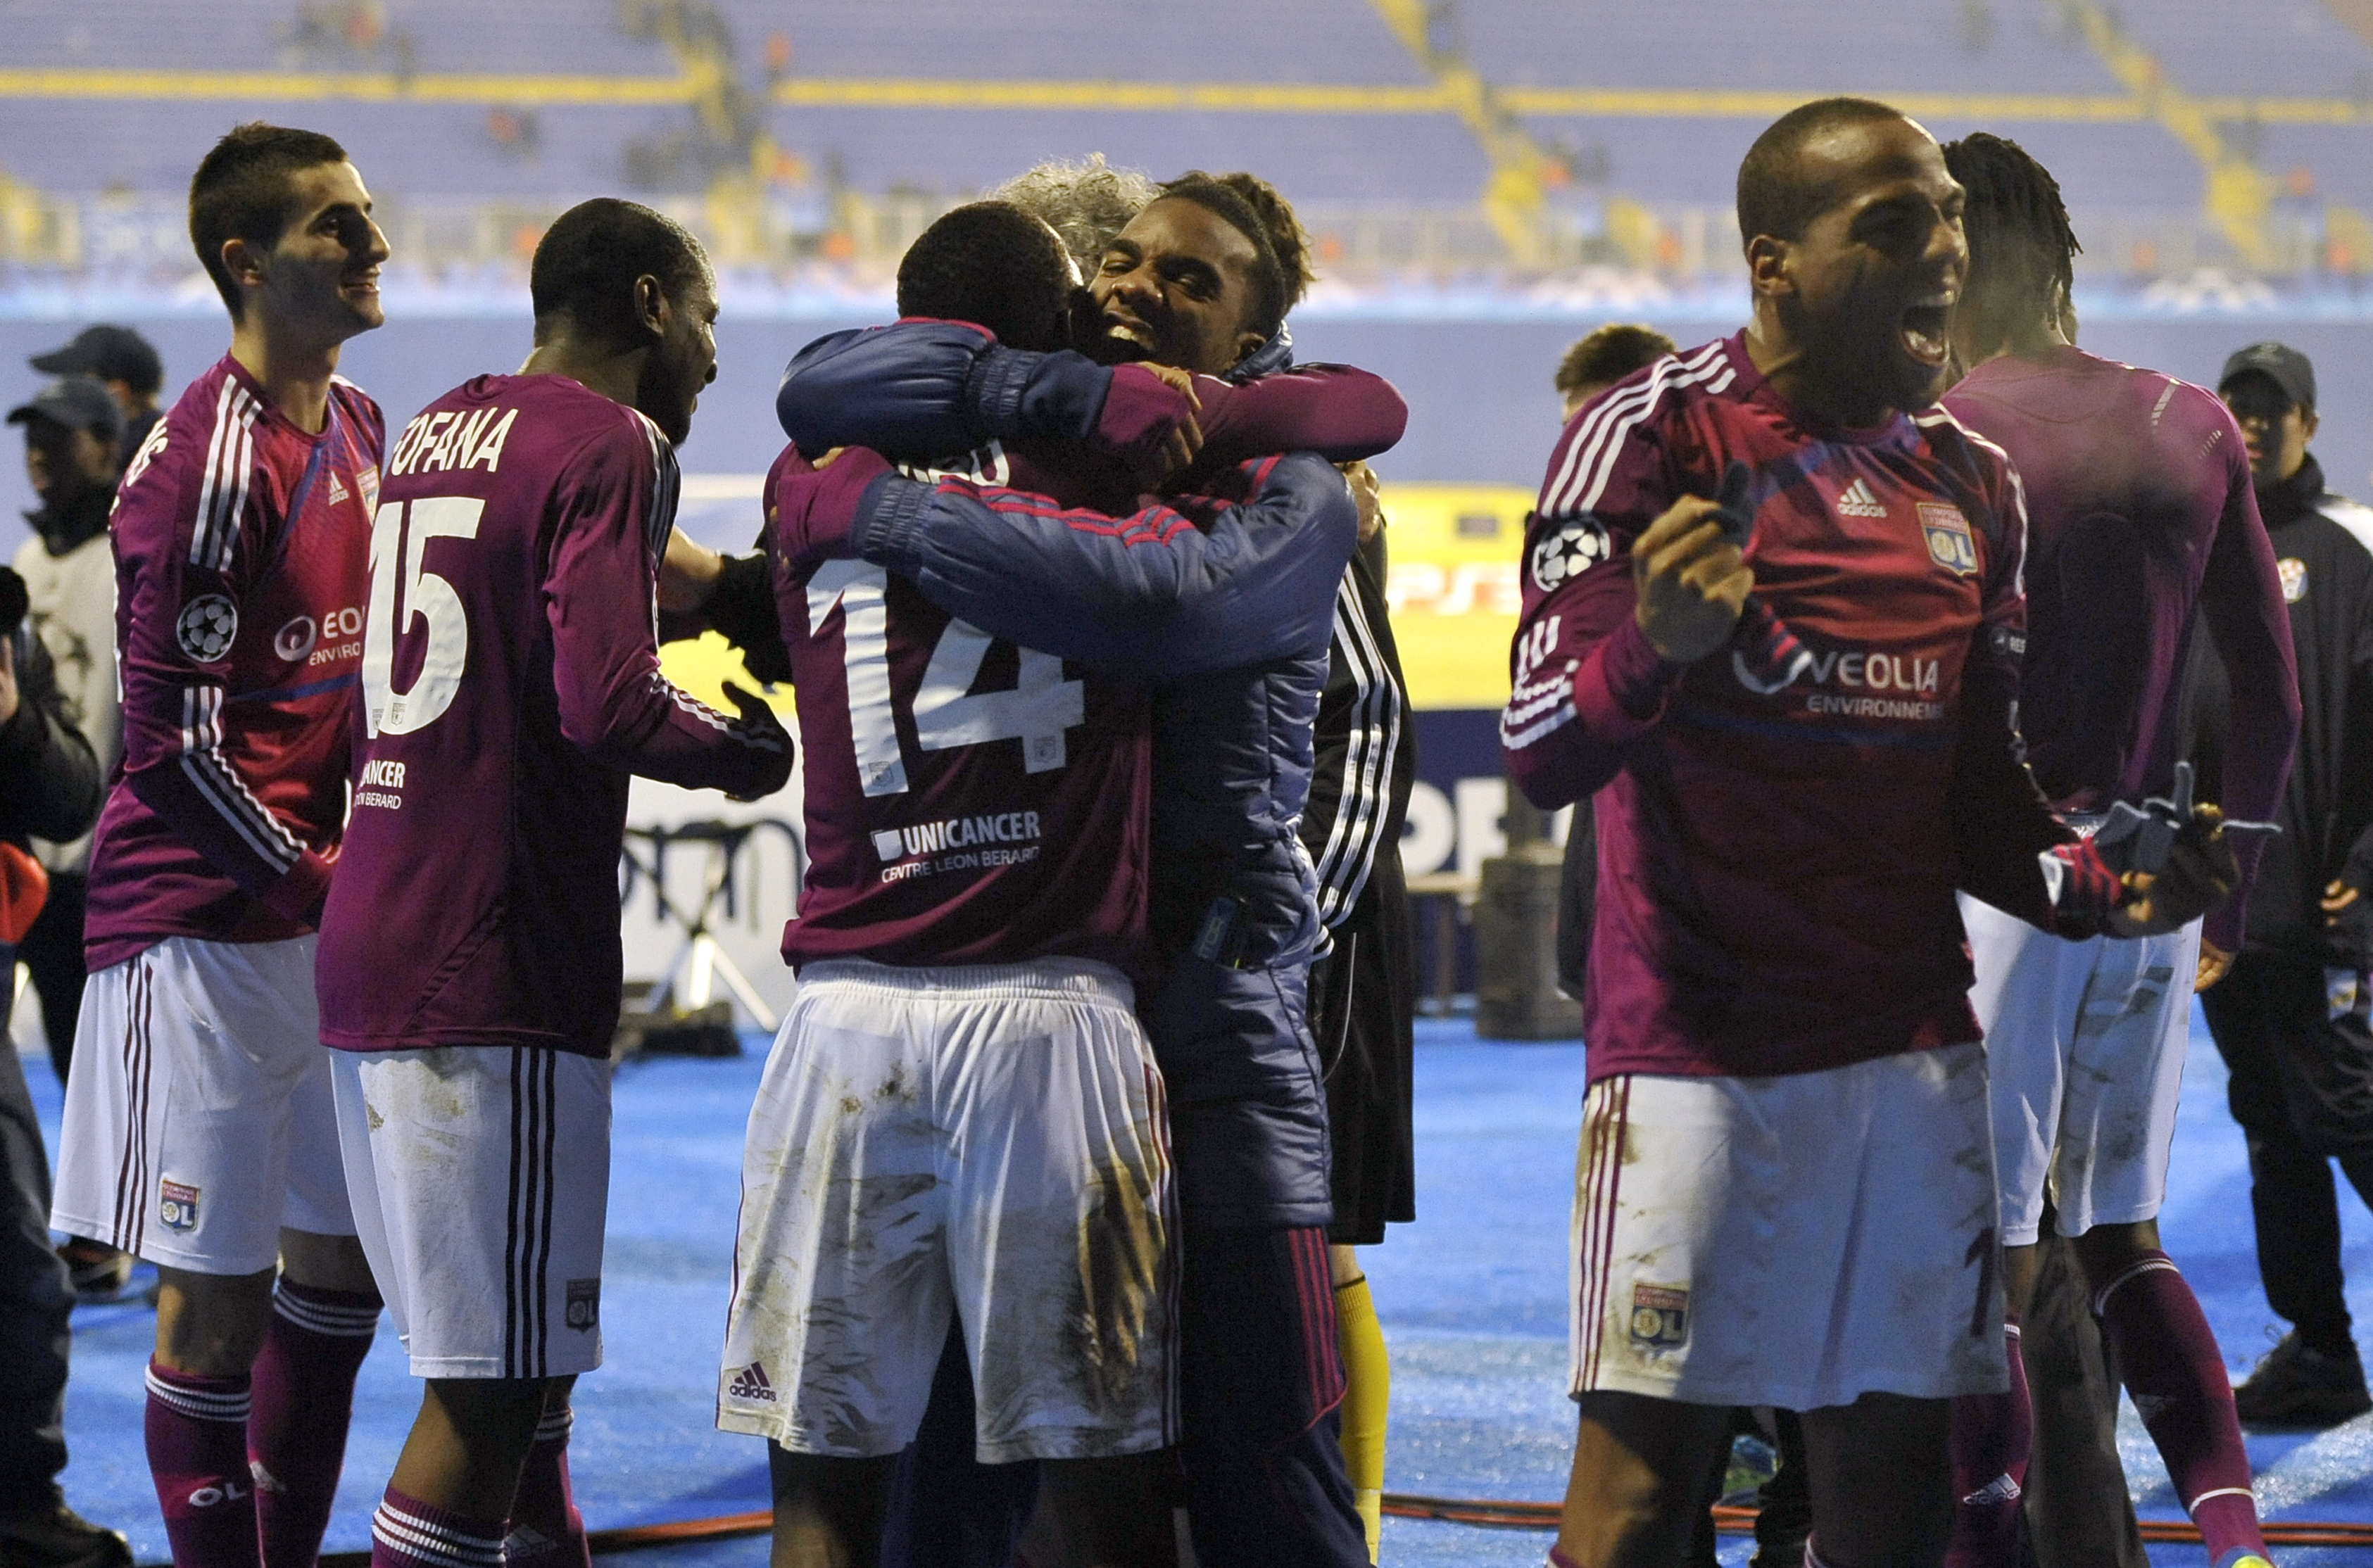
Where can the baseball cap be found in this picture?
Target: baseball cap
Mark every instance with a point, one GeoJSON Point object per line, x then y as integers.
{"type": "Point", "coordinates": [78, 402]}
{"type": "Point", "coordinates": [112, 353]}
{"type": "Point", "coordinates": [2284, 366]}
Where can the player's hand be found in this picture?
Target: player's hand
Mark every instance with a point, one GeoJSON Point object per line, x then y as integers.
{"type": "Point", "coordinates": [1177, 451]}
{"type": "Point", "coordinates": [2199, 873]}
{"type": "Point", "coordinates": [1690, 580]}
{"type": "Point", "coordinates": [2213, 963]}
{"type": "Point", "coordinates": [1177, 380]}
{"type": "Point", "coordinates": [1369, 494]}
{"type": "Point", "coordinates": [758, 717]}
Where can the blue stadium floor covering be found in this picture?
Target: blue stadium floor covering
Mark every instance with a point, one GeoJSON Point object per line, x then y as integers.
{"type": "Point", "coordinates": [1471, 1295]}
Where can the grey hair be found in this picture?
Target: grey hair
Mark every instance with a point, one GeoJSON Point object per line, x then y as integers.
{"type": "Point", "coordinates": [1087, 203]}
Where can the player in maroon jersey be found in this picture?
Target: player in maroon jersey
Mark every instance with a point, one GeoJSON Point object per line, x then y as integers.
{"type": "Point", "coordinates": [2145, 530]}
{"type": "Point", "coordinates": [1796, 750]}
{"type": "Point", "coordinates": [201, 1136]}
{"type": "Point", "coordinates": [469, 961]}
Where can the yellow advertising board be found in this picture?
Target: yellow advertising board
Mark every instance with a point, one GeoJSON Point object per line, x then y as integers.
{"type": "Point", "coordinates": [1455, 550]}
{"type": "Point", "coordinates": [1454, 587]}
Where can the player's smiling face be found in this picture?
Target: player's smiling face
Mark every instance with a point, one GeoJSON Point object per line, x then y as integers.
{"type": "Point", "coordinates": [1877, 273]}
{"type": "Point", "coordinates": [322, 275]}
{"type": "Point", "coordinates": [1175, 288]}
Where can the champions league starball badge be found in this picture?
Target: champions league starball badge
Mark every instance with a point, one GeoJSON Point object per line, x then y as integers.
{"type": "Point", "coordinates": [207, 627]}
{"type": "Point", "coordinates": [1567, 554]}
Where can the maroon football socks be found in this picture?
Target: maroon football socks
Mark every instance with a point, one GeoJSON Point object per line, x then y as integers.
{"type": "Point", "coordinates": [304, 1396]}
{"type": "Point", "coordinates": [1992, 1435]}
{"type": "Point", "coordinates": [2176, 1376]}
{"type": "Point", "coordinates": [408, 1533]}
{"type": "Point", "coordinates": [196, 1429]}
{"type": "Point", "coordinates": [546, 1530]}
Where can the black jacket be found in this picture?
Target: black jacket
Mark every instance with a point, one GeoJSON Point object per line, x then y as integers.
{"type": "Point", "coordinates": [1363, 992]}
{"type": "Point", "coordinates": [2323, 547]}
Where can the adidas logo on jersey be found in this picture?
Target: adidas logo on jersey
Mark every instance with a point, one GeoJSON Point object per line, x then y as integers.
{"type": "Point", "coordinates": [750, 1383]}
{"type": "Point", "coordinates": [337, 491]}
{"type": "Point", "coordinates": [1858, 502]}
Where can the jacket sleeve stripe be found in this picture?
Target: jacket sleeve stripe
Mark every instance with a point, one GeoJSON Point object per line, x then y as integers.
{"type": "Point", "coordinates": [202, 760]}
{"type": "Point", "coordinates": [1356, 834]}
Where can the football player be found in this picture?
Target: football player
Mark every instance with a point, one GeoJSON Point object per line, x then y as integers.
{"type": "Point", "coordinates": [198, 1127]}
{"type": "Point", "coordinates": [1787, 678]}
{"type": "Point", "coordinates": [2144, 529]}
{"type": "Point", "coordinates": [470, 966]}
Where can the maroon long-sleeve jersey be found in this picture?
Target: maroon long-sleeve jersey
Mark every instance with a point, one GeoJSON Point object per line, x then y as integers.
{"type": "Point", "coordinates": [2141, 511]}
{"type": "Point", "coordinates": [946, 824]}
{"type": "Point", "coordinates": [1781, 824]}
{"type": "Point", "coordinates": [241, 544]}
{"type": "Point", "coordinates": [511, 684]}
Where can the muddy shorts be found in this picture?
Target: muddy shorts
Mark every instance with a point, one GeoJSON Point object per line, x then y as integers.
{"type": "Point", "coordinates": [481, 1182]}
{"type": "Point", "coordinates": [2084, 1044]}
{"type": "Point", "coordinates": [984, 1142]}
{"type": "Point", "coordinates": [1797, 1241]}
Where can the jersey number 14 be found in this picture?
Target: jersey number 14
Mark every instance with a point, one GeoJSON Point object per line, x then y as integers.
{"type": "Point", "coordinates": [946, 711]}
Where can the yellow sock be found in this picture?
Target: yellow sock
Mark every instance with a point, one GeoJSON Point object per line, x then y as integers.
{"type": "Point", "coordinates": [1367, 1396]}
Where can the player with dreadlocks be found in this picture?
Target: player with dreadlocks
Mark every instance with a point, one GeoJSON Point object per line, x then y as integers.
{"type": "Point", "coordinates": [2141, 521]}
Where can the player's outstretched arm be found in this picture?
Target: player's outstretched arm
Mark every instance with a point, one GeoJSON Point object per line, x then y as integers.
{"type": "Point", "coordinates": [183, 551]}
{"type": "Point", "coordinates": [1342, 413]}
{"type": "Point", "coordinates": [616, 505]}
{"type": "Point", "coordinates": [2241, 599]}
{"type": "Point", "coordinates": [930, 389]}
{"type": "Point", "coordinates": [1147, 597]}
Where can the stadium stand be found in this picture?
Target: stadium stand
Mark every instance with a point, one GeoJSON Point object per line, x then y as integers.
{"type": "Point", "coordinates": [548, 100]}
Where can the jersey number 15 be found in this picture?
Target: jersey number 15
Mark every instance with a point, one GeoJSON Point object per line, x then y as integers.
{"type": "Point", "coordinates": [427, 596]}
{"type": "Point", "coordinates": [946, 711]}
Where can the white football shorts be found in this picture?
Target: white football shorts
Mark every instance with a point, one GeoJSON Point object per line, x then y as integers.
{"type": "Point", "coordinates": [1797, 1241]}
{"type": "Point", "coordinates": [198, 1121]}
{"type": "Point", "coordinates": [481, 1182]}
{"type": "Point", "coordinates": [2084, 1044]}
{"type": "Point", "coordinates": [985, 1141]}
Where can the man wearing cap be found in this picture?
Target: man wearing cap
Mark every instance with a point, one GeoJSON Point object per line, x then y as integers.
{"type": "Point", "coordinates": [74, 455]}
{"type": "Point", "coordinates": [2290, 1019]}
{"type": "Point", "coordinates": [126, 363]}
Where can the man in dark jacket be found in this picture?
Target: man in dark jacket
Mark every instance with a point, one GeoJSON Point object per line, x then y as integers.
{"type": "Point", "coordinates": [128, 366]}
{"type": "Point", "coordinates": [2291, 1017]}
{"type": "Point", "coordinates": [50, 785]}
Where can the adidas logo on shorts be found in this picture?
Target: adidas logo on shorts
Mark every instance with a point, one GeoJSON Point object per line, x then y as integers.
{"type": "Point", "coordinates": [1858, 502]}
{"type": "Point", "coordinates": [750, 1383]}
